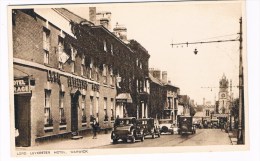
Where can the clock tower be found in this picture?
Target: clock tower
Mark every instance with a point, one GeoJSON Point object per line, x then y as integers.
{"type": "Point", "coordinates": [223, 95]}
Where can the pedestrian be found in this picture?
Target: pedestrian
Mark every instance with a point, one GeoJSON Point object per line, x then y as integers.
{"type": "Point", "coordinates": [95, 128]}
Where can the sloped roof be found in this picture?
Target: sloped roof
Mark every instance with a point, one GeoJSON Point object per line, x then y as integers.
{"type": "Point", "coordinates": [155, 80]}
{"type": "Point", "coordinates": [170, 84]}
{"type": "Point", "coordinates": [70, 15]}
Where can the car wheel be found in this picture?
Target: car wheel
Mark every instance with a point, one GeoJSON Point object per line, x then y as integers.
{"type": "Point", "coordinates": [153, 135]}
{"type": "Point", "coordinates": [142, 138]}
{"type": "Point", "coordinates": [124, 140]}
{"type": "Point", "coordinates": [112, 135]}
{"type": "Point", "coordinates": [133, 139]}
{"type": "Point", "coordinates": [164, 129]}
{"type": "Point", "coordinates": [114, 141]}
{"type": "Point", "coordinates": [159, 135]}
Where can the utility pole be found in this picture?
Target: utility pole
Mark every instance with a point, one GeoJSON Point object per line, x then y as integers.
{"type": "Point", "coordinates": [240, 139]}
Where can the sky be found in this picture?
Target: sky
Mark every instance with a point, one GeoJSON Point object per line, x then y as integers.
{"type": "Point", "coordinates": [157, 25]}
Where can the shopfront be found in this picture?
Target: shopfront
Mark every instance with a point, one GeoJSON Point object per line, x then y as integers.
{"type": "Point", "coordinates": [122, 100]}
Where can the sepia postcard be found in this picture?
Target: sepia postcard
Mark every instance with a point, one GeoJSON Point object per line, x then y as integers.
{"type": "Point", "coordinates": [128, 78]}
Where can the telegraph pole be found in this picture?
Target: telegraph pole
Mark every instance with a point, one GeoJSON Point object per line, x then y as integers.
{"type": "Point", "coordinates": [240, 139]}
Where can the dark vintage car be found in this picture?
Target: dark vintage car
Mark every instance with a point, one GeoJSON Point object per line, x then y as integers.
{"type": "Point", "coordinates": [214, 124]}
{"type": "Point", "coordinates": [126, 129]}
{"type": "Point", "coordinates": [166, 126]}
{"type": "Point", "coordinates": [186, 125]}
{"type": "Point", "coordinates": [150, 126]}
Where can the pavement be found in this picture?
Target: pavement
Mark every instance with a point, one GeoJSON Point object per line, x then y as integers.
{"type": "Point", "coordinates": [85, 143]}
{"type": "Point", "coordinates": [233, 137]}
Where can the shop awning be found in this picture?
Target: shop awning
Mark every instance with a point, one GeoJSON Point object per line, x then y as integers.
{"type": "Point", "coordinates": [220, 115]}
{"type": "Point", "coordinates": [124, 97]}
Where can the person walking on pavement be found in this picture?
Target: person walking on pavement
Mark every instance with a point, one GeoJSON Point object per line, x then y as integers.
{"type": "Point", "coordinates": [95, 127]}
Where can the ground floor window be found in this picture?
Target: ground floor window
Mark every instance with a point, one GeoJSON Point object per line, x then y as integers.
{"type": "Point", "coordinates": [48, 121]}
{"type": "Point", "coordinates": [62, 117]}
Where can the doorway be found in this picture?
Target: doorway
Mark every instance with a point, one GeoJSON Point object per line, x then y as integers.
{"type": "Point", "coordinates": [22, 109]}
{"type": "Point", "coordinates": [74, 111]}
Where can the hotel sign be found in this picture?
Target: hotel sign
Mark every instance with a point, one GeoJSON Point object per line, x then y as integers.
{"type": "Point", "coordinates": [77, 83]}
{"type": "Point", "coordinates": [22, 86]}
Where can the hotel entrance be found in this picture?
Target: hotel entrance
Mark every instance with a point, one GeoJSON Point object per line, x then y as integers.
{"type": "Point", "coordinates": [22, 109]}
{"type": "Point", "coordinates": [74, 110]}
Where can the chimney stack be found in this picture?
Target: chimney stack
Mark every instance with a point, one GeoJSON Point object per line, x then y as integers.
{"type": "Point", "coordinates": [156, 73]}
{"type": "Point", "coordinates": [104, 22]}
{"type": "Point", "coordinates": [104, 18]}
{"type": "Point", "coordinates": [92, 15]}
{"type": "Point", "coordinates": [164, 76]}
{"type": "Point", "coordinates": [121, 32]}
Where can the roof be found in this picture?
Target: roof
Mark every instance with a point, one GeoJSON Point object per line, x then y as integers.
{"type": "Point", "coordinates": [155, 80]}
{"type": "Point", "coordinates": [111, 34]}
{"type": "Point", "coordinates": [70, 15]}
{"type": "Point", "coordinates": [220, 115]}
{"type": "Point", "coordinates": [169, 84]}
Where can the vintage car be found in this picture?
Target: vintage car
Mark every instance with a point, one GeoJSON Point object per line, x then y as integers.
{"type": "Point", "coordinates": [126, 129]}
{"type": "Point", "coordinates": [166, 126]}
{"type": "Point", "coordinates": [214, 124]}
{"type": "Point", "coordinates": [197, 124]}
{"type": "Point", "coordinates": [186, 125]}
{"type": "Point", "coordinates": [150, 126]}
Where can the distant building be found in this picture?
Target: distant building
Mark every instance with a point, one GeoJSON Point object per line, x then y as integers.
{"type": "Point", "coordinates": [223, 96]}
{"type": "Point", "coordinates": [206, 109]}
{"type": "Point", "coordinates": [184, 105]}
{"type": "Point", "coordinates": [164, 95]}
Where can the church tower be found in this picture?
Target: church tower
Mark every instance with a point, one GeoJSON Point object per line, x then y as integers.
{"type": "Point", "coordinates": [223, 95]}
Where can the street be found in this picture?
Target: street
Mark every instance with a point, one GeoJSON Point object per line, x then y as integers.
{"type": "Point", "coordinates": [202, 137]}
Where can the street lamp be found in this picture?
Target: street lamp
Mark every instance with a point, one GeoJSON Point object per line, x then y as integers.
{"type": "Point", "coordinates": [240, 137]}
{"type": "Point", "coordinates": [195, 51]}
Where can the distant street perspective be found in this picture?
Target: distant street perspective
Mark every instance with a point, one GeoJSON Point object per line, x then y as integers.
{"type": "Point", "coordinates": [103, 76]}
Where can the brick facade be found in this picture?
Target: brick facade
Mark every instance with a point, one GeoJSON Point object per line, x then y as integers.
{"type": "Point", "coordinates": [37, 45]}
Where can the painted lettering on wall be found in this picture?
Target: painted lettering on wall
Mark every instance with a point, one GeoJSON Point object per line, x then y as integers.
{"type": "Point", "coordinates": [53, 76]}
{"type": "Point", "coordinates": [95, 87]}
{"type": "Point", "coordinates": [77, 83]}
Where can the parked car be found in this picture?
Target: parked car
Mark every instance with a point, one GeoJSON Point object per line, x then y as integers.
{"type": "Point", "coordinates": [197, 124]}
{"type": "Point", "coordinates": [166, 126]}
{"type": "Point", "coordinates": [186, 125]}
{"type": "Point", "coordinates": [126, 129]}
{"type": "Point", "coordinates": [214, 123]}
{"type": "Point", "coordinates": [150, 126]}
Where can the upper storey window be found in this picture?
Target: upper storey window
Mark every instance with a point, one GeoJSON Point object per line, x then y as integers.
{"type": "Point", "coordinates": [105, 45]}
{"type": "Point", "coordinates": [46, 44]}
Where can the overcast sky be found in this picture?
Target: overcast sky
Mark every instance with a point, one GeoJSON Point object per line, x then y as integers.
{"type": "Point", "coordinates": [157, 25]}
